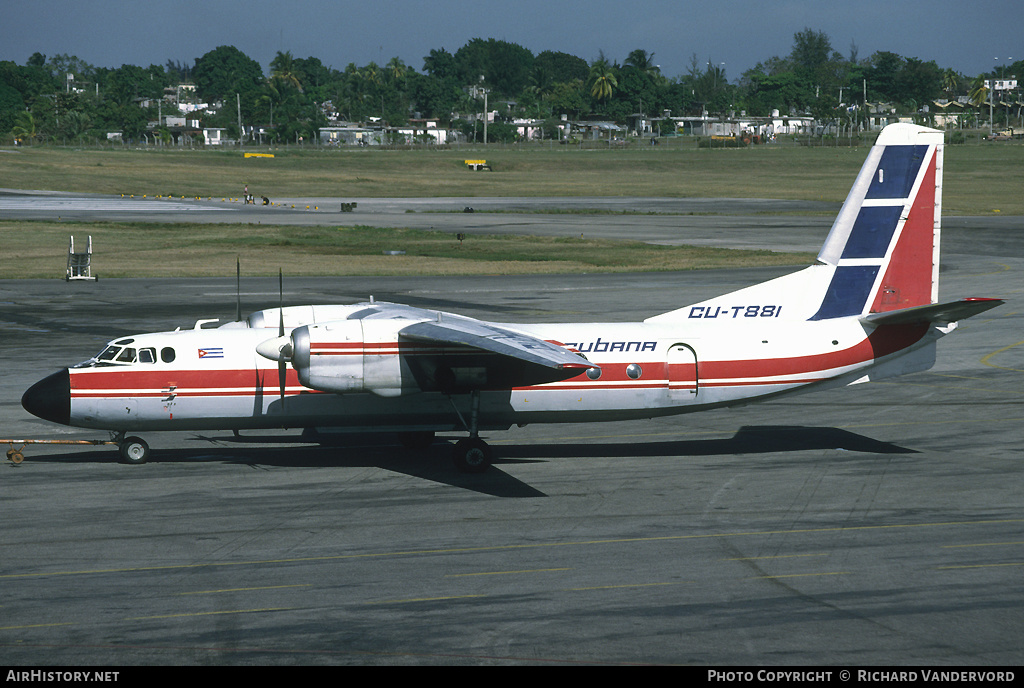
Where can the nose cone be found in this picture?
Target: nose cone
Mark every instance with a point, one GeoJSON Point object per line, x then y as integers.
{"type": "Point", "coordinates": [50, 398]}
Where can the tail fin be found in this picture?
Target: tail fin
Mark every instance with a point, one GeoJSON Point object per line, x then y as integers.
{"type": "Point", "coordinates": [882, 253]}
{"type": "Point", "coordinates": [884, 245]}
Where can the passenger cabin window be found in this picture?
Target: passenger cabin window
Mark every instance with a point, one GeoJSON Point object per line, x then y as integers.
{"type": "Point", "coordinates": [167, 354]}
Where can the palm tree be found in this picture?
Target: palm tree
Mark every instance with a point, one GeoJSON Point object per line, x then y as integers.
{"type": "Point", "coordinates": [25, 127]}
{"type": "Point", "coordinates": [950, 82]}
{"type": "Point", "coordinates": [643, 61]}
{"type": "Point", "coordinates": [396, 69]}
{"type": "Point", "coordinates": [282, 70]}
{"type": "Point", "coordinates": [602, 79]}
{"type": "Point", "coordinates": [979, 91]}
{"type": "Point", "coordinates": [371, 75]}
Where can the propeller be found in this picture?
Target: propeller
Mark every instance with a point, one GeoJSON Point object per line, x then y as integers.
{"type": "Point", "coordinates": [279, 348]}
{"type": "Point", "coordinates": [282, 360]}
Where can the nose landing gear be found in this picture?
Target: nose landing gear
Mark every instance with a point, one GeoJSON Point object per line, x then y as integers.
{"type": "Point", "coordinates": [132, 450]}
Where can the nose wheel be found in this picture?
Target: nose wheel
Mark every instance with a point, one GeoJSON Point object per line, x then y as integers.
{"type": "Point", "coordinates": [133, 450]}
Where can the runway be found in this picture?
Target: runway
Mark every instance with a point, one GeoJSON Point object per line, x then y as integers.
{"type": "Point", "coordinates": [874, 525]}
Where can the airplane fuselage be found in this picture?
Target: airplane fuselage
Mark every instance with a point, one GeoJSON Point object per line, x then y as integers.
{"type": "Point", "coordinates": [214, 378]}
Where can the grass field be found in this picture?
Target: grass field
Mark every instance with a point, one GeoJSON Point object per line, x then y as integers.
{"type": "Point", "coordinates": [978, 180]}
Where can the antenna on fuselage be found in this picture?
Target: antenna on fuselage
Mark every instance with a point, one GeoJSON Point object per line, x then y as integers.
{"type": "Point", "coordinates": [238, 289]}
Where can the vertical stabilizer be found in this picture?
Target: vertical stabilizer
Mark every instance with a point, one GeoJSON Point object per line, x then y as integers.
{"type": "Point", "coordinates": [881, 255]}
{"type": "Point", "coordinates": [884, 244]}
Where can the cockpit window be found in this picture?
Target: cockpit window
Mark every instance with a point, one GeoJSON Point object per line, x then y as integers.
{"type": "Point", "coordinates": [108, 354]}
{"type": "Point", "coordinates": [120, 355]}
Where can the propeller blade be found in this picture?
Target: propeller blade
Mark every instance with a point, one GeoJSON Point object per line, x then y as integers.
{"type": "Point", "coordinates": [282, 365]}
{"type": "Point", "coordinates": [280, 297]}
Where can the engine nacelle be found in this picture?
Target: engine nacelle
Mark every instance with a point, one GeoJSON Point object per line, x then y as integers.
{"type": "Point", "coordinates": [352, 356]}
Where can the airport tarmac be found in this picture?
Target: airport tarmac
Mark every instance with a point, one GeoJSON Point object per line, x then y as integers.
{"type": "Point", "coordinates": [874, 525]}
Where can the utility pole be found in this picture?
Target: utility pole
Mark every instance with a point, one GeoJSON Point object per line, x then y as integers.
{"type": "Point", "coordinates": [238, 103]}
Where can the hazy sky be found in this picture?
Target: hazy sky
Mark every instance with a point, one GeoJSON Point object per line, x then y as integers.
{"type": "Point", "coordinates": [968, 37]}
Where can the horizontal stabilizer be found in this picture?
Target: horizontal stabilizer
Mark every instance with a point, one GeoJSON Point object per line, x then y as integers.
{"type": "Point", "coordinates": [933, 313]}
{"type": "Point", "coordinates": [486, 337]}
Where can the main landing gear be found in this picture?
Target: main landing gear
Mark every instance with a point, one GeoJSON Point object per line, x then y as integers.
{"type": "Point", "coordinates": [472, 454]}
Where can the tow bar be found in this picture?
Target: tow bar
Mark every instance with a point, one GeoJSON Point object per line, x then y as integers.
{"type": "Point", "coordinates": [17, 455]}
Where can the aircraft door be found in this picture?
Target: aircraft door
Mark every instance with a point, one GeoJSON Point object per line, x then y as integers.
{"type": "Point", "coordinates": [683, 378]}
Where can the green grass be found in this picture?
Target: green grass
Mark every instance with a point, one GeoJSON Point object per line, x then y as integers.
{"type": "Point", "coordinates": [979, 179]}
{"type": "Point", "coordinates": [144, 250]}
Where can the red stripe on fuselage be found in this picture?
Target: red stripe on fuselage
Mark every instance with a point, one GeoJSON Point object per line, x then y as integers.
{"type": "Point", "coordinates": [883, 341]}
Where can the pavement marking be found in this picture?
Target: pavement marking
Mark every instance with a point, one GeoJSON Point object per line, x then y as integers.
{"type": "Point", "coordinates": [499, 548]}
{"type": "Point", "coordinates": [504, 573]}
{"type": "Point", "coordinates": [227, 611]}
{"type": "Point", "coordinates": [980, 566]}
{"type": "Point", "coordinates": [44, 625]}
{"type": "Point", "coordinates": [802, 575]}
{"type": "Point", "coordinates": [264, 587]}
{"type": "Point", "coordinates": [629, 585]}
{"type": "Point", "coordinates": [986, 359]}
{"type": "Point", "coordinates": [427, 599]}
{"type": "Point", "coordinates": [780, 556]}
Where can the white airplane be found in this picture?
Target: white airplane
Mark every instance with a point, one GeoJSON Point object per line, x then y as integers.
{"type": "Point", "coordinates": [868, 309]}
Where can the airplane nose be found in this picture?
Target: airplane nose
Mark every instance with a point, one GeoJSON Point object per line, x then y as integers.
{"type": "Point", "coordinates": [50, 398]}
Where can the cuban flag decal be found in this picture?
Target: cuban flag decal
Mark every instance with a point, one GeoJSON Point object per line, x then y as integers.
{"type": "Point", "coordinates": [216, 352]}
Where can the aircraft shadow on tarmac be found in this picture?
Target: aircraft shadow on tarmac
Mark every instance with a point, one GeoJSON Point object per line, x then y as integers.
{"type": "Point", "coordinates": [750, 439]}
{"type": "Point", "coordinates": [434, 464]}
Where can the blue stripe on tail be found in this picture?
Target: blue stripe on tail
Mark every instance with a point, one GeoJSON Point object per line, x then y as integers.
{"type": "Point", "coordinates": [896, 172]}
{"type": "Point", "coordinates": [848, 292]}
{"type": "Point", "coordinates": [872, 232]}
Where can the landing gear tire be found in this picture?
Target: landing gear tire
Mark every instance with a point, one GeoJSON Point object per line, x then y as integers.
{"type": "Point", "coordinates": [416, 440]}
{"type": "Point", "coordinates": [133, 450]}
{"type": "Point", "coordinates": [472, 455]}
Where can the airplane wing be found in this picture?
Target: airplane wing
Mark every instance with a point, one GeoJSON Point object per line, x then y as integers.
{"type": "Point", "coordinates": [951, 311]}
{"type": "Point", "coordinates": [471, 354]}
{"type": "Point", "coordinates": [465, 332]}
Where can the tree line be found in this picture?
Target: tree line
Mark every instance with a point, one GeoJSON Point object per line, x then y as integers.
{"type": "Point", "coordinates": [63, 98]}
